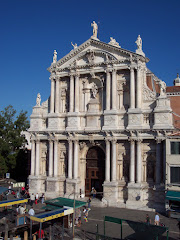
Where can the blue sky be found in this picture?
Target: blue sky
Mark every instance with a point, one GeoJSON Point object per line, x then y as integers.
{"type": "Point", "coordinates": [32, 29]}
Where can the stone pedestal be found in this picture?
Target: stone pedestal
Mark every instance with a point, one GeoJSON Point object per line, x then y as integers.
{"type": "Point", "coordinates": [110, 120]}
{"type": "Point", "coordinates": [110, 193]}
{"type": "Point", "coordinates": [71, 185]}
{"type": "Point", "coordinates": [162, 114]}
{"type": "Point", "coordinates": [54, 187]}
{"type": "Point", "coordinates": [37, 183]}
{"type": "Point", "coordinates": [135, 119]}
{"type": "Point", "coordinates": [73, 121]}
{"type": "Point", "coordinates": [36, 118]}
{"type": "Point", "coordinates": [134, 196]}
{"type": "Point", "coordinates": [92, 116]}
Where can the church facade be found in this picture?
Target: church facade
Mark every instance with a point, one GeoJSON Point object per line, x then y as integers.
{"type": "Point", "coordinates": [104, 126]}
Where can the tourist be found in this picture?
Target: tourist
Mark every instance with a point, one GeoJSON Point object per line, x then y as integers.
{"type": "Point", "coordinates": [17, 194]}
{"type": "Point", "coordinates": [22, 210]}
{"type": "Point", "coordinates": [89, 203]}
{"type": "Point", "coordinates": [36, 198]}
{"type": "Point", "coordinates": [79, 218]}
{"type": "Point", "coordinates": [42, 198]}
{"type": "Point", "coordinates": [32, 197]}
{"type": "Point", "coordinates": [148, 220]}
{"type": "Point", "coordinates": [94, 192]}
{"type": "Point", "coordinates": [31, 211]}
{"type": "Point", "coordinates": [157, 219]}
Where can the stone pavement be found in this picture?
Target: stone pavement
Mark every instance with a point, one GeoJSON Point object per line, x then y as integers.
{"type": "Point", "coordinates": [96, 216]}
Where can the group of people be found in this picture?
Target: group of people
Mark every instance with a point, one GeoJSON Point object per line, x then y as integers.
{"type": "Point", "coordinates": [156, 219]}
{"type": "Point", "coordinates": [22, 209]}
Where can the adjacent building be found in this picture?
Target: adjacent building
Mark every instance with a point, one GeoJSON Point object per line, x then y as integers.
{"type": "Point", "coordinates": [104, 125]}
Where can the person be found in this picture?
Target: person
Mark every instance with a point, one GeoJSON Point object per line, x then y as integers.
{"type": "Point", "coordinates": [17, 194]}
{"type": "Point", "coordinates": [32, 197]}
{"type": "Point", "coordinates": [36, 198]}
{"type": "Point", "coordinates": [157, 219]}
{"type": "Point", "coordinates": [79, 218]}
{"type": "Point", "coordinates": [42, 198]}
{"type": "Point", "coordinates": [94, 192]}
{"type": "Point", "coordinates": [85, 211]}
{"type": "Point", "coordinates": [89, 203]}
{"type": "Point", "coordinates": [22, 210]}
{"type": "Point", "coordinates": [31, 211]}
{"type": "Point", "coordinates": [148, 220]}
{"type": "Point", "coordinates": [9, 190]}
{"type": "Point", "coordinates": [40, 234]}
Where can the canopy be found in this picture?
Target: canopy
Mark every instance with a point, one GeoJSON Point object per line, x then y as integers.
{"type": "Point", "coordinates": [12, 202]}
{"type": "Point", "coordinates": [3, 189]}
{"type": "Point", "coordinates": [46, 216]}
{"type": "Point", "coordinates": [65, 202]}
{"type": "Point", "coordinates": [172, 195]}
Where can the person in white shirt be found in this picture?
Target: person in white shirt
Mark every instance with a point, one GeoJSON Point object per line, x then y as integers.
{"type": "Point", "coordinates": [32, 197]}
{"type": "Point", "coordinates": [157, 219]}
{"type": "Point", "coordinates": [22, 210]}
{"type": "Point", "coordinates": [31, 211]}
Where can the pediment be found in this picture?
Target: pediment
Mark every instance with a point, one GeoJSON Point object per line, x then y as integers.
{"type": "Point", "coordinates": [94, 53]}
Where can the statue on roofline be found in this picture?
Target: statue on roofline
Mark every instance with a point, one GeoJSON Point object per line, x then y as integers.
{"type": "Point", "coordinates": [139, 43]}
{"type": "Point", "coordinates": [55, 57]}
{"type": "Point", "coordinates": [95, 29]}
{"type": "Point", "coordinates": [74, 45]}
{"type": "Point", "coordinates": [38, 100]}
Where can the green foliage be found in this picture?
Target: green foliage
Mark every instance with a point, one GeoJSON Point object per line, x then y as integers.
{"type": "Point", "coordinates": [11, 138]}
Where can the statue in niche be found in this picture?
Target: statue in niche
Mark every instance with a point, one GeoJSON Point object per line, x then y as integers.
{"type": "Point", "coordinates": [94, 90]}
{"type": "Point", "coordinates": [139, 43]}
{"type": "Point", "coordinates": [90, 57]}
{"type": "Point", "coordinates": [74, 45]}
{"type": "Point", "coordinates": [95, 29]}
{"type": "Point", "coordinates": [38, 100]}
{"type": "Point", "coordinates": [55, 57]}
{"type": "Point", "coordinates": [162, 85]}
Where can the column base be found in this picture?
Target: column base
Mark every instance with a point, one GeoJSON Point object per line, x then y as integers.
{"type": "Point", "coordinates": [110, 193]}
{"type": "Point", "coordinates": [70, 184]}
{"type": "Point", "coordinates": [37, 184]}
{"type": "Point", "coordinates": [55, 187]}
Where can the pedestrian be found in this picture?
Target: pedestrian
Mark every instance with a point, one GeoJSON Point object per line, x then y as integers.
{"type": "Point", "coordinates": [36, 198]}
{"type": "Point", "coordinates": [79, 218]}
{"type": "Point", "coordinates": [17, 194]}
{"type": "Point", "coordinates": [42, 198]}
{"type": "Point", "coordinates": [89, 203]}
{"type": "Point", "coordinates": [22, 210]}
{"type": "Point", "coordinates": [31, 211]}
{"type": "Point", "coordinates": [32, 197]}
{"type": "Point", "coordinates": [157, 219]}
{"type": "Point", "coordinates": [148, 220]}
{"type": "Point", "coordinates": [94, 192]}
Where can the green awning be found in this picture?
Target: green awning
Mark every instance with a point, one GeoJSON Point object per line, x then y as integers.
{"type": "Point", "coordinates": [64, 202]}
{"type": "Point", "coordinates": [173, 195]}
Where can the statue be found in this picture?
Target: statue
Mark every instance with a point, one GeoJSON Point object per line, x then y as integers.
{"type": "Point", "coordinates": [113, 42]}
{"type": "Point", "coordinates": [74, 45]}
{"type": "Point", "coordinates": [162, 85]}
{"type": "Point", "coordinates": [95, 29]}
{"type": "Point", "coordinates": [55, 57]}
{"type": "Point", "coordinates": [94, 90]}
{"type": "Point", "coordinates": [139, 43]}
{"type": "Point", "coordinates": [38, 100]}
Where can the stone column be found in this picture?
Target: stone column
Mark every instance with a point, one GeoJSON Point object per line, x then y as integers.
{"type": "Point", "coordinates": [120, 99]}
{"type": "Point", "coordinates": [139, 88]}
{"type": "Point", "coordinates": [71, 95]}
{"type": "Point", "coordinates": [158, 162]}
{"type": "Point", "coordinates": [77, 93]}
{"type": "Point", "coordinates": [50, 158]}
{"type": "Point", "coordinates": [113, 169]}
{"type": "Point", "coordinates": [108, 89]}
{"type": "Point", "coordinates": [76, 158]}
{"type": "Point", "coordinates": [132, 161]}
{"type": "Point", "coordinates": [52, 96]}
{"type": "Point", "coordinates": [70, 160]}
{"type": "Point", "coordinates": [32, 157]}
{"type": "Point", "coordinates": [114, 90]}
{"type": "Point", "coordinates": [57, 96]}
{"type": "Point", "coordinates": [37, 157]}
{"type": "Point", "coordinates": [139, 162]}
{"type": "Point", "coordinates": [107, 177]}
{"type": "Point", "coordinates": [132, 88]}
{"type": "Point", "coordinates": [55, 158]}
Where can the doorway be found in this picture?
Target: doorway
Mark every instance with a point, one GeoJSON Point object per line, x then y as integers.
{"type": "Point", "coordinates": [95, 171]}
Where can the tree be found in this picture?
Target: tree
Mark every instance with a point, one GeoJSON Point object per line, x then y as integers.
{"type": "Point", "coordinates": [11, 138]}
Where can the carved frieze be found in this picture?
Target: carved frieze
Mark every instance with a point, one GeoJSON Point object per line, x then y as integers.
{"type": "Point", "coordinates": [109, 120]}
{"type": "Point", "coordinates": [134, 119]}
{"type": "Point", "coordinates": [148, 95]}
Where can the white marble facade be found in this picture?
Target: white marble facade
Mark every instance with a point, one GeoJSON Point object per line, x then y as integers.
{"type": "Point", "coordinates": [100, 98]}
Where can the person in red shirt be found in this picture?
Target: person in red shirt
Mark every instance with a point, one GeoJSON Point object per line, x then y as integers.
{"type": "Point", "coordinates": [40, 234]}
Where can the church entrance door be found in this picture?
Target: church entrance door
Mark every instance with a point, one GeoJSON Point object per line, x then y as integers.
{"type": "Point", "coordinates": [95, 171]}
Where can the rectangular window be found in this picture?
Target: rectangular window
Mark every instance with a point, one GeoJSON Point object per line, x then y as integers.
{"type": "Point", "coordinates": [175, 175]}
{"type": "Point", "coordinates": [175, 147]}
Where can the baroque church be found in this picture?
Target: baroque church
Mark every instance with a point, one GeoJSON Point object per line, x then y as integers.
{"type": "Point", "coordinates": [103, 126]}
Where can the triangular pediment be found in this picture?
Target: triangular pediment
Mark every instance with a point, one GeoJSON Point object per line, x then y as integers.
{"type": "Point", "coordinates": [95, 53]}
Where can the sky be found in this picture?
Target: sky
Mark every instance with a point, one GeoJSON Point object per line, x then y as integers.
{"type": "Point", "coordinates": [32, 29]}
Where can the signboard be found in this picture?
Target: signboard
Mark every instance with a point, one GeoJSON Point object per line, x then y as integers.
{"type": "Point", "coordinates": [7, 175]}
{"type": "Point", "coordinates": [19, 185]}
